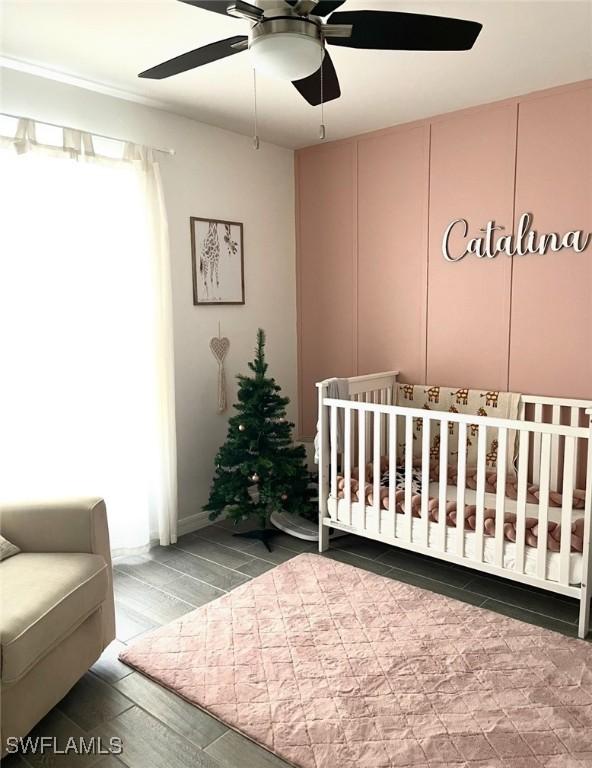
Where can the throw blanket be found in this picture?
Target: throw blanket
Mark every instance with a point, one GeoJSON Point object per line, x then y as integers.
{"type": "Point", "coordinates": [338, 389]}
{"type": "Point", "coordinates": [477, 402]}
{"type": "Point", "coordinates": [470, 511]}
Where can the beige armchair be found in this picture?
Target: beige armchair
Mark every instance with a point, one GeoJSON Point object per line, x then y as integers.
{"type": "Point", "coordinates": [56, 605]}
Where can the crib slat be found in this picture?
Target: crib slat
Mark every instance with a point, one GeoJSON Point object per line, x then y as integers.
{"type": "Point", "coordinates": [347, 459]}
{"type": "Point", "coordinates": [479, 520]}
{"type": "Point", "coordinates": [323, 467]}
{"type": "Point", "coordinates": [536, 456]}
{"type": "Point", "coordinates": [585, 602]}
{"type": "Point", "coordinates": [368, 422]}
{"type": "Point", "coordinates": [566, 509]}
{"type": "Point", "coordinates": [376, 468]}
{"type": "Point", "coordinates": [362, 464]}
{"type": "Point", "coordinates": [425, 479]}
{"type": "Point", "coordinates": [333, 441]}
{"type": "Point", "coordinates": [523, 444]}
{"type": "Point", "coordinates": [443, 484]}
{"type": "Point", "coordinates": [383, 431]}
{"type": "Point", "coordinates": [500, 495]}
{"type": "Point", "coordinates": [460, 495]}
{"type": "Point", "coordinates": [408, 475]}
{"type": "Point", "coordinates": [574, 420]}
{"type": "Point", "coordinates": [354, 434]}
{"type": "Point", "coordinates": [392, 421]}
{"type": "Point", "coordinates": [555, 419]}
{"type": "Point", "coordinates": [543, 520]}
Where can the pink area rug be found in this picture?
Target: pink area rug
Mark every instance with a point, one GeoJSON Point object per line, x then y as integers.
{"type": "Point", "coordinates": [329, 666]}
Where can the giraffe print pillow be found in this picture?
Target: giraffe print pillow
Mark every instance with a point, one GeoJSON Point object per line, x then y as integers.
{"type": "Point", "coordinates": [474, 402]}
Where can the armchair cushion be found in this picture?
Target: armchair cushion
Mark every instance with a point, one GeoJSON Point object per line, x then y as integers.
{"type": "Point", "coordinates": [7, 549]}
{"type": "Point", "coordinates": [44, 597]}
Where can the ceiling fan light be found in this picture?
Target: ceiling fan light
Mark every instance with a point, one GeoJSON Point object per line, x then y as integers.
{"type": "Point", "coordinates": [286, 56]}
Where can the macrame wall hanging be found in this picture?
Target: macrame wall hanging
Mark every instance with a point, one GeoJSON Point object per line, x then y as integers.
{"type": "Point", "coordinates": [220, 346]}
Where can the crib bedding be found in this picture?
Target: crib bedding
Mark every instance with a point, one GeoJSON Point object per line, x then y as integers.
{"type": "Point", "coordinates": [553, 533]}
{"type": "Point", "coordinates": [338, 510]}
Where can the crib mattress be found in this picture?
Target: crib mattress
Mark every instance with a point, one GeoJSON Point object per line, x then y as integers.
{"type": "Point", "coordinates": [338, 510]}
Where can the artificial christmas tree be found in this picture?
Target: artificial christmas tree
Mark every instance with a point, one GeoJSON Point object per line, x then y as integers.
{"type": "Point", "coordinates": [259, 469]}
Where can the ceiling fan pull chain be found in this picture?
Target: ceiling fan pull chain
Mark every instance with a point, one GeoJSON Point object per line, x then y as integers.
{"type": "Point", "coordinates": [255, 126]}
{"type": "Point", "coordinates": [322, 132]}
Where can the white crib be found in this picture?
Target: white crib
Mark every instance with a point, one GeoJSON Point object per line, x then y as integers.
{"type": "Point", "coordinates": [554, 450]}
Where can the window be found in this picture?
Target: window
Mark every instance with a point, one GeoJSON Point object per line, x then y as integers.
{"type": "Point", "coordinates": [85, 342]}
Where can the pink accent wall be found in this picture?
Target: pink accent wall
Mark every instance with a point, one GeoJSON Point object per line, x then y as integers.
{"type": "Point", "coordinates": [374, 291]}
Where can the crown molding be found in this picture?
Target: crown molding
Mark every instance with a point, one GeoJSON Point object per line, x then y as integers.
{"type": "Point", "coordinates": [29, 67]}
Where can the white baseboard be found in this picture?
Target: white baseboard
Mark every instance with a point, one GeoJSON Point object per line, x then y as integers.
{"type": "Point", "coordinates": [192, 523]}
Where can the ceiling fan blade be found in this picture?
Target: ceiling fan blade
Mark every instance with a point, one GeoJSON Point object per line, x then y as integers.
{"type": "Point", "coordinates": [310, 87]}
{"type": "Point", "coordinates": [197, 58]}
{"type": "Point", "coordinates": [391, 30]}
{"type": "Point", "coordinates": [325, 7]}
{"type": "Point", "coordinates": [218, 6]}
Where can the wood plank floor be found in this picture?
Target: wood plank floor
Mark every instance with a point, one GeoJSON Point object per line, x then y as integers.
{"type": "Point", "coordinates": [160, 730]}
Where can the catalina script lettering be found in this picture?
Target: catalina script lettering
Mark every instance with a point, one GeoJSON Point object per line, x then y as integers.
{"type": "Point", "coordinates": [526, 240]}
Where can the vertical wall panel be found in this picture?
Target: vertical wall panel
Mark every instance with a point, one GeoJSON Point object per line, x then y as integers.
{"type": "Point", "coordinates": [326, 247]}
{"type": "Point", "coordinates": [551, 343]}
{"type": "Point", "coordinates": [471, 177]}
{"type": "Point", "coordinates": [393, 172]}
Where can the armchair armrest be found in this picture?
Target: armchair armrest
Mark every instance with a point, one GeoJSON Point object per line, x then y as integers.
{"type": "Point", "coordinates": [73, 525]}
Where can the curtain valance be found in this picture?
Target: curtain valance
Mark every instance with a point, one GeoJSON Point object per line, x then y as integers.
{"type": "Point", "coordinates": [26, 135]}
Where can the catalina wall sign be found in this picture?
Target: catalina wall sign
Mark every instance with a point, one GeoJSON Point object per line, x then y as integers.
{"type": "Point", "coordinates": [526, 240]}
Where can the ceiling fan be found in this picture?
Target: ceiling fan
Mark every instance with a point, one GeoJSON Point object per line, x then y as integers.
{"type": "Point", "coordinates": [287, 40]}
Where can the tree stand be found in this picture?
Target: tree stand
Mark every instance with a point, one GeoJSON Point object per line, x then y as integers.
{"type": "Point", "coordinates": [264, 535]}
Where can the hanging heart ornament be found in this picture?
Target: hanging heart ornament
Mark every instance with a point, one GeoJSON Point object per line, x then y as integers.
{"type": "Point", "coordinates": [219, 347]}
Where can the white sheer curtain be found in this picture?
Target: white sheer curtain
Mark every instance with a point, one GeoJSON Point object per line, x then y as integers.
{"type": "Point", "coordinates": [86, 348]}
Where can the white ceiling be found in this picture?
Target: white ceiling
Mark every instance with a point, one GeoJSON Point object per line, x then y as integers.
{"type": "Point", "coordinates": [525, 45]}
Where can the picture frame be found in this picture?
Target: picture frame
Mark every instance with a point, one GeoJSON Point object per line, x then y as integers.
{"type": "Point", "coordinates": [217, 258]}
